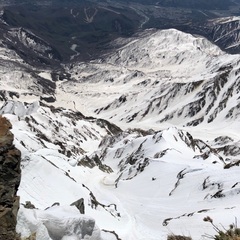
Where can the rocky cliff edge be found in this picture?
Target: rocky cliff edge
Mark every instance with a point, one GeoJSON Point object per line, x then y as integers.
{"type": "Point", "coordinates": [10, 175]}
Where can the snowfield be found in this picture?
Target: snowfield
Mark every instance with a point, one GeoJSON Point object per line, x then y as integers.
{"type": "Point", "coordinates": [147, 139]}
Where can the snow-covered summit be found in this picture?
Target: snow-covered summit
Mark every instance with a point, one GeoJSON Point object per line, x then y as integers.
{"type": "Point", "coordinates": [161, 77]}
{"type": "Point", "coordinates": [163, 49]}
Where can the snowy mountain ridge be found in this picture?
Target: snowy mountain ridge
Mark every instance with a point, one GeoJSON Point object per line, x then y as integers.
{"type": "Point", "coordinates": [152, 51]}
{"type": "Point", "coordinates": [196, 69]}
{"type": "Point", "coordinates": [134, 183]}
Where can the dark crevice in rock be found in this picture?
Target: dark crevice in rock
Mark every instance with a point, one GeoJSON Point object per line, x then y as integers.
{"type": "Point", "coordinates": [167, 220]}
{"type": "Point", "coordinates": [112, 232]}
{"type": "Point", "coordinates": [180, 176]}
{"type": "Point", "coordinates": [94, 203]}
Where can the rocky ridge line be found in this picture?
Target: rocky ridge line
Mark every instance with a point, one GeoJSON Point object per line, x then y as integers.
{"type": "Point", "coordinates": [9, 181]}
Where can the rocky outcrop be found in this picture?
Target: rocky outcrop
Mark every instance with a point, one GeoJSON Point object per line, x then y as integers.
{"type": "Point", "coordinates": [79, 204]}
{"type": "Point", "coordinates": [9, 181]}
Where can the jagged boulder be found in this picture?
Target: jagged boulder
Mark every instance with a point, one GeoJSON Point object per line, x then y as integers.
{"type": "Point", "coordinates": [79, 204]}
{"type": "Point", "coordinates": [29, 205]}
{"type": "Point", "coordinates": [9, 181]}
{"type": "Point", "coordinates": [6, 137]}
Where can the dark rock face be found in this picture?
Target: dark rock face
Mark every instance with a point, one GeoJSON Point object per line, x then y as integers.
{"type": "Point", "coordinates": [9, 181]}
{"type": "Point", "coordinates": [79, 204]}
{"type": "Point", "coordinates": [29, 205]}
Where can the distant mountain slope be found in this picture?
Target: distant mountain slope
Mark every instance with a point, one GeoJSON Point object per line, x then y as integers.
{"type": "Point", "coordinates": [201, 4]}
{"type": "Point", "coordinates": [166, 76]}
{"type": "Point", "coordinates": [72, 30]}
{"type": "Point", "coordinates": [162, 77]}
{"type": "Point", "coordinates": [226, 33]}
{"type": "Point", "coordinates": [84, 30]}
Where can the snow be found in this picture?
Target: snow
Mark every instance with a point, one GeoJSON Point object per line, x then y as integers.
{"type": "Point", "coordinates": [73, 47]}
{"type": "Point", "coordinates": [164, 180]}
{"type": "Point", "coordinates": [57, 223]}
{"type": "Point", "coordinates": [147, 74]}
{"type": "Point", "coordinates": [18, 108]}
{"type": "Point", "coordinates": [45, 75]}
{"type": "Point", "coordinates": [151, 195]}
{"type": "Point", "coordinates": [227, 19]}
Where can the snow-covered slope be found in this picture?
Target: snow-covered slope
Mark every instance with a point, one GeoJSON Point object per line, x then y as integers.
{"type": "Point", "coordinates": [52, 142]}
{"type": "Point", "coordinates": [139, 184]}
{"type": "Point", "coordinates": [30, 47]}
{"type": "Point", "coordinates": [225, 32]}
{"type": "Point", "coordinates": [135, 183]}
{"type": "Point", "coordinates": [19, 80]}
{"type": "Point", "coordinates": [161, 77]}
{"type": "Point", "coordinates": [172, 181]}
{"type": "Point", "coordinates": [155, 50]}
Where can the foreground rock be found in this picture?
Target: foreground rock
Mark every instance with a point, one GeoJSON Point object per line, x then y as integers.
{"type": "Point", "coordinates": [9, 181]}
{"type": "Point", "coordinates": [57, 222]}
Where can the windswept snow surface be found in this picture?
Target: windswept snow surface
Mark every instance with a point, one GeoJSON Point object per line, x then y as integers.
{"type": "Point", "coordinates": [162, 182]}
{"type": "Point", "coordinates": [52, 141]}
{"type": "Point", "coordinates": [136, 183]}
